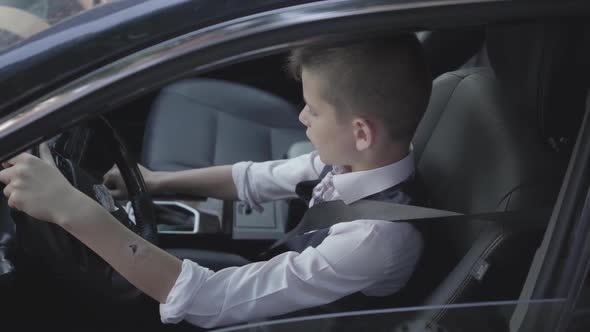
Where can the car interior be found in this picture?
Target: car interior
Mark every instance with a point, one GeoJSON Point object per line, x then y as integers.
{"type": "Point", "coordinates": [496, 138]}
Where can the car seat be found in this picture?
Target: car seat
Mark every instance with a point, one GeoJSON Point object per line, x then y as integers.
{"type": "Point", "coordinates": [483, 146]}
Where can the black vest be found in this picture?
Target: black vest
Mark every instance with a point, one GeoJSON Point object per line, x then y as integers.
{"type": "Point", "coordinates": [410, 191]}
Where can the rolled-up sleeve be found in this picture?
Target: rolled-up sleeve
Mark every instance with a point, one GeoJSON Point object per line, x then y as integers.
{"type": "Point", "coordinates": [354, 256]}
{"type": "Point", "coordinates": [190, 279]}
{"type": "Point", "coordinates": [261, 182]}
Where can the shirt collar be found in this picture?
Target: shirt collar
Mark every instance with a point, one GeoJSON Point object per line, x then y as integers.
{"type": "Point", "coordinates": [354, 186]}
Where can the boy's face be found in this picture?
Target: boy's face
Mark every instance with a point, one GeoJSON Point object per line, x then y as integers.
{"type": "Point", "coordinates": [330, 133]}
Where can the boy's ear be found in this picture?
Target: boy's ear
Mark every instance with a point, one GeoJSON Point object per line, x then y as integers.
{"type": "Point", "coordinates": [364, 133]}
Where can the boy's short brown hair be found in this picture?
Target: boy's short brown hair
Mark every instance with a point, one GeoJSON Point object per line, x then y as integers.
{"type": "Point", "coordinates": [384, 77]}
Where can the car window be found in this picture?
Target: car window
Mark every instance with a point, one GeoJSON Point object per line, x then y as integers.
{"type": "Point", "coordinates": [21, 19]}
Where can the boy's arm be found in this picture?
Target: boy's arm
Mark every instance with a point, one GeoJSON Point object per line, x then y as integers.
{"type": "Point", "coordinates": [146, 266]}
{"type": "Point", "coordinates": [216, 182]}
{"type": "Point", "coordinates": [213, 181]}
{"type": "Point", "coordinates": [252, 182]}
{"type": "Point", "coordinates": [353, 256]}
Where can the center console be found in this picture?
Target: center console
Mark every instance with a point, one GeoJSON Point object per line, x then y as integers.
{"type": "Point", "coordinates": [189, 217]}
{"type": "Point", "coordinates": [182, 216]}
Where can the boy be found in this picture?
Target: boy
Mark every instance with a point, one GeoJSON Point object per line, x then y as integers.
{"type": "Point", "coordinates": [363, 102]}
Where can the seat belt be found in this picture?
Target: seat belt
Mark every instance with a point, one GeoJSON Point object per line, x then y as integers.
{"type": "Point", "coordinates": [330, 213]}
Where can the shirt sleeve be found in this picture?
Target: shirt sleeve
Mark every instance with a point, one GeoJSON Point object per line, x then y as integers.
{"type": "Point", "coordinates": [257, 183]}
{"type": "Point", "coordinates": [339, 266]}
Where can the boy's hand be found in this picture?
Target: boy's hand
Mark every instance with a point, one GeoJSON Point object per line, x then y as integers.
{"type": "Point", "coordinates": [114, 181]}
{"type": "Point", "coordinates": [37, 188]}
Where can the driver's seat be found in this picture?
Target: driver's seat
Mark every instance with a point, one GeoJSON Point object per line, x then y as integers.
{"type": "Point", "coordinates": [481, 148]}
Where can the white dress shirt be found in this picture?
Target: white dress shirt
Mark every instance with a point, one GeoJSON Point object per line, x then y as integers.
{"type": "Point", "coordinates": [376, 257]}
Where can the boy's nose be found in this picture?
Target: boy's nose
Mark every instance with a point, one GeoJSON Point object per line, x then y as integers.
{"type": "Point", "coordinates": [303, 116]}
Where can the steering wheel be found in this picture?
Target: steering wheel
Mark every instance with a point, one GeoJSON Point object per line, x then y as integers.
{"type": "Point", "coordinates": [45, 247]}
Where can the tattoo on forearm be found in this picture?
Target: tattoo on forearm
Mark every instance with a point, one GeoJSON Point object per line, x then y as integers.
{"type": "Point", "coordinates": [133, 248]}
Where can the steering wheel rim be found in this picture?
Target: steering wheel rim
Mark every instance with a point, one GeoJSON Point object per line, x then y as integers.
{"type": "Point", "coordinates": [141, 201]}
{"type": "Point", "coordinates": [117, 288]}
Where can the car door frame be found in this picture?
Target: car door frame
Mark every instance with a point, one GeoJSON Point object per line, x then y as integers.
{"type": "Point", "coordinates": [566, 248]}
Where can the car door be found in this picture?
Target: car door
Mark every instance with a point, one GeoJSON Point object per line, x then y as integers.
{"type": "Point", "coordinates": [110, 85]}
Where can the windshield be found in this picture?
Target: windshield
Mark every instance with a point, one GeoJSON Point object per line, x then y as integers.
{"type": "Point", "coordinates": [21, 19]}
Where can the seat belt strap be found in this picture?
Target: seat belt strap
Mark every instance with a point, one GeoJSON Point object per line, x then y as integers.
{"type": "Point", "coordinates": [329, 213]}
